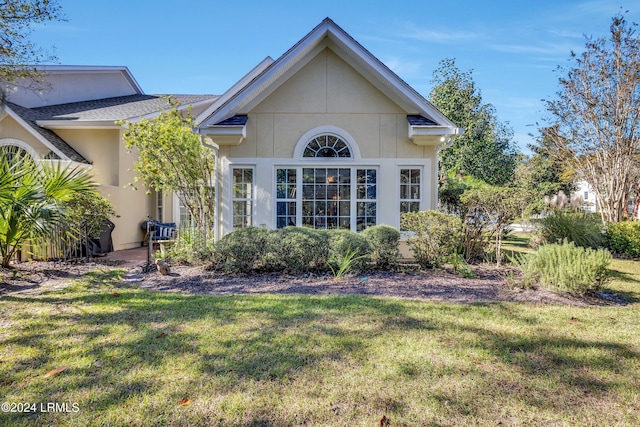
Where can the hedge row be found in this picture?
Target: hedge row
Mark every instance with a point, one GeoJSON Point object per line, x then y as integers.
{"type": "Point", "coordinates": [300, 250]}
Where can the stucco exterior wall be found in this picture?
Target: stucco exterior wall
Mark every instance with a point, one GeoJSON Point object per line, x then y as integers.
{"type": "Point", "coordinates": [113, 169]}
{"type": "Point", "coordinates": [70, 86]}
{"type": "Point", "coordinates": [327, 91]}
{"type": "Point", "coordinates": [9, 128]}
{"type": "Point", "coordinates": [100, 148]}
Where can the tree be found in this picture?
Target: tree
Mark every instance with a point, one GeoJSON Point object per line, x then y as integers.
{"type": "Point", "coordinates": [484, 150]}
{"type": "Point", "coordinates": [597, 116]}
{"type": "Point", "coordinates": [18, 56]}
{"type": "Point", "coordinates": [543, 173]}
{"type": "Point", "coordinates": [495, 208]}
{"type": "Point", "coordinates": [172, 159]}
{"type": "Point", "coordinates": [33, 197]}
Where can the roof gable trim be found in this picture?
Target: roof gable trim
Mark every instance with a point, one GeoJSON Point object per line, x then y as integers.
{"type": "Point", "coordinates": [294, 58]}
{"type": "Point", "coordinates": [35, 134]}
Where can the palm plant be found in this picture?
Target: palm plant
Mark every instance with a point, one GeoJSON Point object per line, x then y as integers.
{"type": "Point", "coordinates": [32, 198]}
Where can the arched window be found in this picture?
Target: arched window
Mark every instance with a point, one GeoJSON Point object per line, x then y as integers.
{"type": "Point", "coordinates": [327, 146]}
{"type": "Point", "coordinates": [326, 143]}
{"type": "Point", "coordinates": [15, 147]}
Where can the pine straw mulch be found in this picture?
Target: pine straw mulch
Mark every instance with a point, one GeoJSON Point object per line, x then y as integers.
{"type": "Point", "coordinates": [489, 285]}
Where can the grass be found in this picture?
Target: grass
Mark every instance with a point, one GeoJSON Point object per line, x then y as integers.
{"type": "Point", "coordinates": [141, 358]}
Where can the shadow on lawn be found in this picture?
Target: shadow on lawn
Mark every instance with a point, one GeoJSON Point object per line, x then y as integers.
{"type": "Point", "coordinates": [232, 340]}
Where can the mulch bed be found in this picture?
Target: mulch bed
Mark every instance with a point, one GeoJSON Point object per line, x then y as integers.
{"type": "Point", "coordinates": [488, 286]}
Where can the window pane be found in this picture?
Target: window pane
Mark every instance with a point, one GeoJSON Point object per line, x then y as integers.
{"type": "Point", "coordinates": [345, 176]}
{"type": "Point", "coordinates": [405, 176]}
{"type": "Point", "coordinates": [415, 176]}
{"type": "Point", "coordinates": [415, 192]}
{"type": "Point", "coordinates": [371, 192]}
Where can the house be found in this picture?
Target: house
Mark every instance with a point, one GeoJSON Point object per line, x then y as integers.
{"type": "Point", "coordinates": [587, 195]}
{"type": "Point", "coordinates": [72, 118]}
{"type": "Point", "coordinates": [326, 136]}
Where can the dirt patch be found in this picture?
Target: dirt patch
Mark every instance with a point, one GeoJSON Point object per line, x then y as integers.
{"type": "Point", "coordinates": [438, 285]}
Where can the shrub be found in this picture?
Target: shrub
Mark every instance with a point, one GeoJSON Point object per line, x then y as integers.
{"type": "Point", "coordinates": [191, 246]}
{"type": "Point", "coordinates": [298, 250]}
{"type": "Point", "coordinates": [624, 238]}
{"type": "Point", "coordinates": [433, 236]}
{"type": "Point", "coordinates": [583, 229]}
{"type": "Point", "coordinates": [566, 267]}
{"type": "Point", "coordinates": [384, 241]}
{"type": "Point", "coordinates": [242, 250]}
{"type": "Point", "coordinates": [343, 243]}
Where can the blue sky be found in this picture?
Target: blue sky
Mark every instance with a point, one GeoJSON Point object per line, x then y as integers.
{"type": "Point", "coordinates": [204, 47]}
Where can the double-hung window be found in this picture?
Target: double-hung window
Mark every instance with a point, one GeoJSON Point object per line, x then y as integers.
{"type": "Point", "coordinates": [286, 190]}
{"type": "Point", "coordinates": [410, 189]}
{"type": "Point", "coordinates": [242, 197]}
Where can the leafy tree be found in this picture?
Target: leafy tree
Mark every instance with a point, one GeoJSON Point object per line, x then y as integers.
{"type": "Point", "coordinates": [172, 159]}
{"type": "Point", "coordinates": [543, 173]}
{"type": "Point", "coordinates": [485, 150]}
{"type": "Point", "coordinates": [452, 187]}
{"type": "Point", "coordinates": [495, 208]}
{"type": "Point", "coordinates": [18, 56]}
{"type": "Point", "coordinates": [597, 112]}
{"type": "Point", "coordinates": [88, 208]}
{"type": "Point", "coordinates": [33, 197]}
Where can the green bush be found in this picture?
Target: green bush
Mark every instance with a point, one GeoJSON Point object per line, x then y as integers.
{"type": "Point", "coordinates": [583, 229]}
{"type": "Point", "coordinates": [242, 250]}
{"type": "Point", "coordinates": [566, 267]}
{"type": "Point", "coordinates": [345, 242]}
{"type": "Point", "coordinates": [298, 250]}
{"type": "Point", "coordinates": [433, 236]}
{"type": "Point", "coordinates": [384, 241]}
{"type": "Point", "coordinates": [624, 238]}
{"type": "Point", "coordinates": [191, 246]}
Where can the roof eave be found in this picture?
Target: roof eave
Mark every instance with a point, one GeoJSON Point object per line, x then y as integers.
{"type": "Point", "coordinates": [77, 124]}
{"type": "Point", "coordinates": [225, 135]}
{"type": "Point", "coordinates": [436, 136]}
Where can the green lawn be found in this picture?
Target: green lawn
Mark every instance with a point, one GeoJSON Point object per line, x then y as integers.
{"type": "Point", "coordinates": [133, 359]}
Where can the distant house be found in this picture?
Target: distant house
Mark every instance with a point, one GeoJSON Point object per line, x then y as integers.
{"type": "Point", "coordinates": [326, 136]}
{"type": "Point", "coordinates": [587, 194]}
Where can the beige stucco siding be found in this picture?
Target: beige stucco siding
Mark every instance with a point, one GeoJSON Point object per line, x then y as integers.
{"type": "Point", "coordinates": [100, 148]}
{"type": "Point", "coordinates": [327, 92]}
{"type": "Point", "coordinates": [11, 129]}
{"type": "Point", "coordinates": [113, 170]}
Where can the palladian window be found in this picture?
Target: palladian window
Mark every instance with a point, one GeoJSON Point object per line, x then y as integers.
{"type": "Point", "coordinates": [327, 195]}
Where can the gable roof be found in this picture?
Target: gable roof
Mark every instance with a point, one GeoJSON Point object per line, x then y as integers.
{"type": "Point", "coordinates": [97, 113]}
{"type": "Point", "coordinates": [267, 81]}
{"type": "Point", "coordinates": [28, 117]}
{"type": "Point", "coordinates": [105, 112]}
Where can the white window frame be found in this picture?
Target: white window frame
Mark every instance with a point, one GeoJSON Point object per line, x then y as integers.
{"type": "Point", "coordinates": [159, 205]}
{"type": "Point", "coordinates": [250, 199]}
{"type": "Point", "coordinates": [297, 199]}
{"type": "Point", "coordinates": [353, 168]}
{"type": "Point", "coordinates": [399, 185]}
